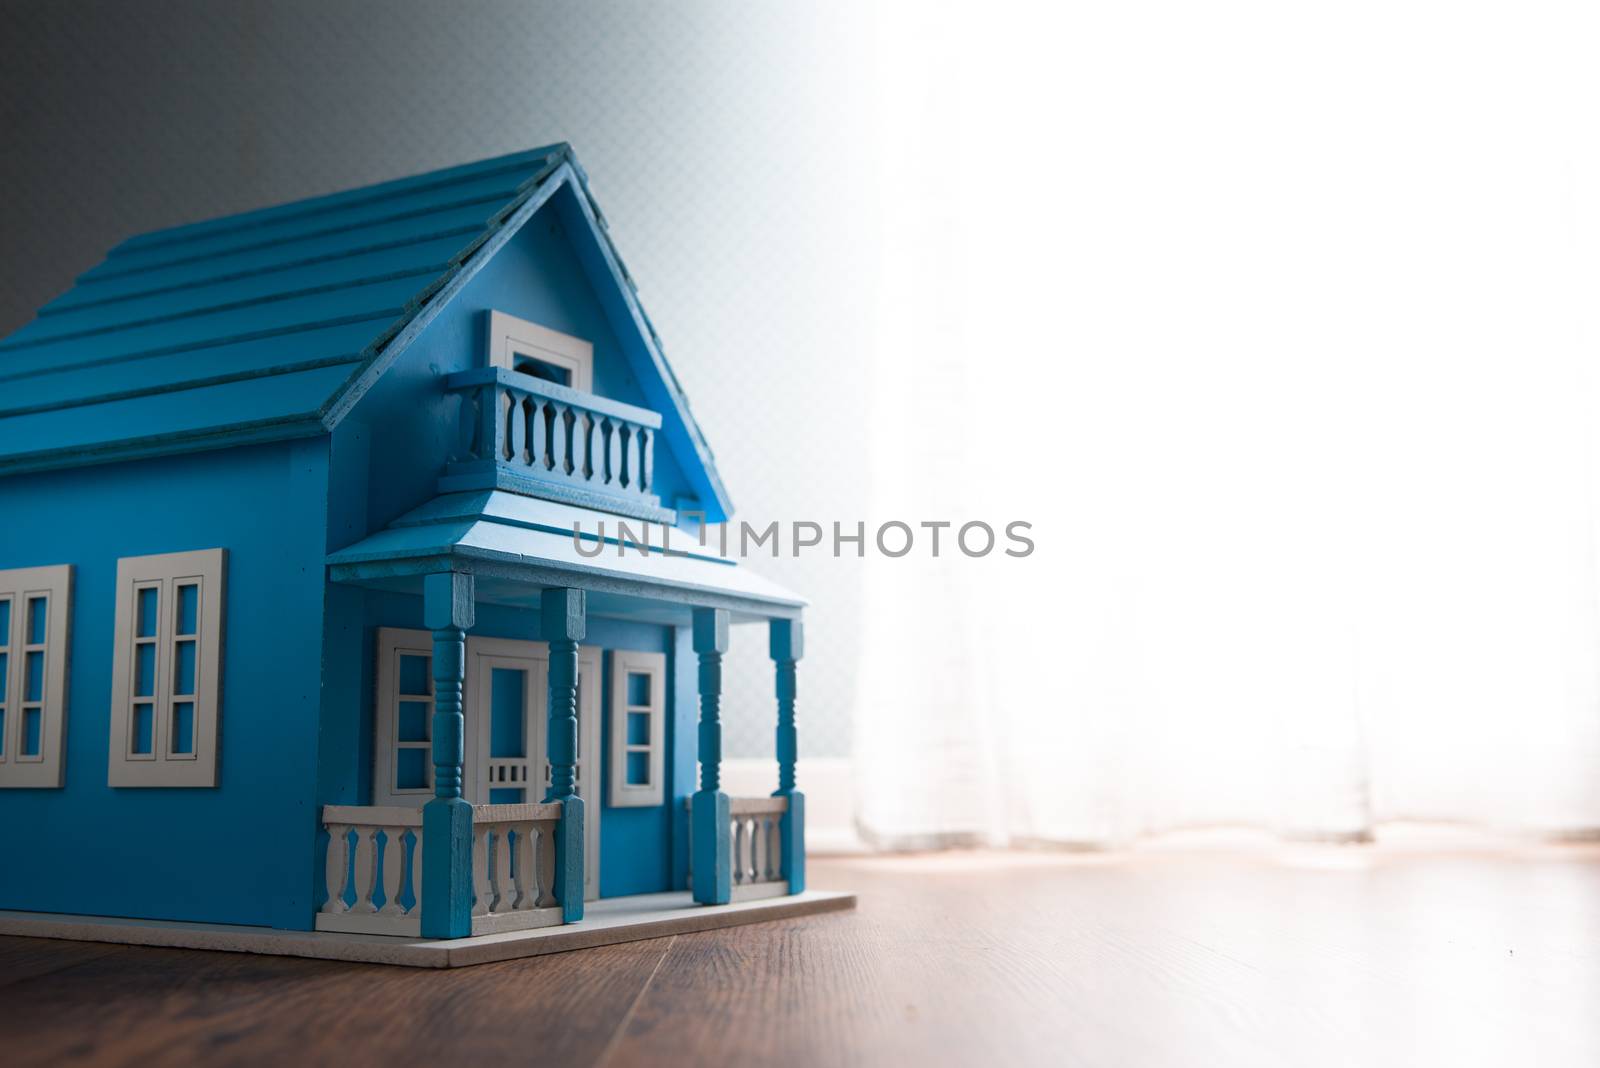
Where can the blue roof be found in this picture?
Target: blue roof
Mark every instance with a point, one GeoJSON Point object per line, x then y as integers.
{"type": "Point", "coordinates": [269, 324]}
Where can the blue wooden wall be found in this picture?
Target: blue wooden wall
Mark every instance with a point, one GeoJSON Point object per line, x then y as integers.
{"type": "Point", "coordinates": [237, 853]}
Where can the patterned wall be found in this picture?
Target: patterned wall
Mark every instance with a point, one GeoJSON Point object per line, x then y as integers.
{"type": "Point", "coordinates": [724, 141]}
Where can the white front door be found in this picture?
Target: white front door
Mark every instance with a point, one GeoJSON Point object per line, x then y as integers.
{"type": "Point", "coordinates": [504, 699]}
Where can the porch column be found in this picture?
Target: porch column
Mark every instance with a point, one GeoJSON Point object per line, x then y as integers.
{"type": "Point", "coordinates": [447, 610]}
{"type": "Point", "coordinates": [710, 833]}
{"type": "Point", "coordinates": [562, 623]}
{"type": "Point", "coordinates": [786, 640]}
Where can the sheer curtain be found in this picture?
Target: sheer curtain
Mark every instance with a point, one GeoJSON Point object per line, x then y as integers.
{"type": "Point", "coordinates": [1279, 328]}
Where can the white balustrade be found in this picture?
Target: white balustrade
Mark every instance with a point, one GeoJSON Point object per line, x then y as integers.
{"type": "Point", "coordinates": [374, 854]}
{"type": "Point", "coordinates": [755, 846]}
{"type": "Point", "coordinates": [373, 869]}
{"type": "Point", "coordinates": [514, 866]}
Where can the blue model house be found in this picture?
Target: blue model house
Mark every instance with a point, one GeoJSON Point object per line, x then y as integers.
{"type": "Point", "coordinates": [295, 628]}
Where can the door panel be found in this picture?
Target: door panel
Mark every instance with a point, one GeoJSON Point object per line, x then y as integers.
{"type": "Point", "coordinates": [511, 689]}
{"type": "Point", "coordinates": [506, 700]}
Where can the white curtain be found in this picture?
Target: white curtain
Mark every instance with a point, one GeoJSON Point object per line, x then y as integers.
{"type": "Point", "coordinates": [1278, 325]}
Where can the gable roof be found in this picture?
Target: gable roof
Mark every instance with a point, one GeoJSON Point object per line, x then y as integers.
{"type": "Point", "coordinates": [272, 324]}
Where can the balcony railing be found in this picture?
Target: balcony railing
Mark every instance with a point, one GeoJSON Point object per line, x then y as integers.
{"type": "Point", "coordinates": [373, 869]}
{"type": "Point", "coordinates": [545, 439]}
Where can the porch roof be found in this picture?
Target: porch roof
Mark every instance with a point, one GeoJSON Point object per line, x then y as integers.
{"type": "Point", "coordinates": [518, 545]}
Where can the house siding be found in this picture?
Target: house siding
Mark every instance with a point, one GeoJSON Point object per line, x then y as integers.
{"type": "Point", "coordinates": [234, 853]}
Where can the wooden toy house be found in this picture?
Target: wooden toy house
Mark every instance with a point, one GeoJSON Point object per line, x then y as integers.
{"type": "Point", "coordinates": [295, 628]}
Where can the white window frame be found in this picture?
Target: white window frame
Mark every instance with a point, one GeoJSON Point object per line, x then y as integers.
{"type": "Point", "coordinates": [510, 337]}
{"type": "Point", "coordinates": [392, 642]}
{"type": "Point", "coordinates": [18, 587]}
{"type": "Point", "coordinates": [162, 766]}
{"type": "Point", "coordinates": [622, 794]}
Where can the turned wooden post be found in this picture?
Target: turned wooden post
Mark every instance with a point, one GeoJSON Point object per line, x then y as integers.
{"type": "Point", "coordinates": [447, 610]}
{"type": "Point", "coordinates": [562, 625]}
{"type": "Point", "coordinates": [786, 640]}
{"type": "Point", "coordinates": [709, 836]}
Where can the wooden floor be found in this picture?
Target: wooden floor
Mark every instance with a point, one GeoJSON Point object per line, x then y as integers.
{"type": "Point", "coordinates": [1322, 957]}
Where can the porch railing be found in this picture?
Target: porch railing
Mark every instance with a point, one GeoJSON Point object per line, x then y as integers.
{"type": "Point", "coordinates": [549, 435]}
{"type": "Point", "coordinates": [757, 842]}
{"type": "Point", "coordinates": [373, 869]}
{"type": "Point", "coordinates": [514, 866]}
{"type": "Point", "coordinates": [755, 837]}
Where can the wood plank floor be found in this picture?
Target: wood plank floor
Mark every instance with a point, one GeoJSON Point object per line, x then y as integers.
{"type": "Point", "coordinates": [1314, 957]}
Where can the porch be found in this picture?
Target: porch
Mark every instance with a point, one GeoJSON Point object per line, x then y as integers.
{"type": "Point", "coordinates": [374, 867]}
{"type": "Point", "coordinates": [454, 869]}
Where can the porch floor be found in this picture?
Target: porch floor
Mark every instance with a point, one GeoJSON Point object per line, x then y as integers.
{"type": "Point", "coordinates": [605, 922]}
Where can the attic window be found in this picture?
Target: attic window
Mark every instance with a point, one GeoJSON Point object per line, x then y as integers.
{"type": "Point", "coordinates": [550, 372]}
{"type": "Point", "coordinates": [540, 352]}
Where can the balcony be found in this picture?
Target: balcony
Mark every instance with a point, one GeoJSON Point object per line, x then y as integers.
{"type": "Point", "coordinates": [541, 439]}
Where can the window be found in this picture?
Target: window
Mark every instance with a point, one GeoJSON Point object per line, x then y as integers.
{"type": "Point", "coordinates": [403, 739]}
{"type": "Point", "coordinates": [165, 686]}
{"type": "Point", "coordinates": [638, 728]}
{"type": "Point", "coordinates": [35, 615]}
{"type": "Point", "coordinates": [541, 352]}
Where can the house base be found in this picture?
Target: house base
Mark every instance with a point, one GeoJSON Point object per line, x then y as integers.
{"type": "Point", "coordinates": [605, 922]}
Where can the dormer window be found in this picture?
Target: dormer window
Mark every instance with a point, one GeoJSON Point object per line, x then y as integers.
{"type": "Point", "coordinates": [541, 352]}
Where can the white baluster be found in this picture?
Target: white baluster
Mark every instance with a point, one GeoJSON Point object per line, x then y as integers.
{"type": "Point", "coordinates": [416, 870]}
{"type": "Point", "coordinates": [775, 850]}
{"type": "Point", "coordinates": [502, 869]}
{"type": "Point", "coordinates": [366, 868]}
{"type": "Point", "coordinates": [394, 855]}
{"type": "Point", "coordinates": [338, 867]}
{"type": "Point", "coordinates": [738, 851]}
{"type": "Point", "coordinates": [483, 892]}
{"type": "Point", "coordinates": [527, 891]}
{"type": "Point", "coordinates": [547, 864]}
{"type": "Point", "coordinates": [759, 866]}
